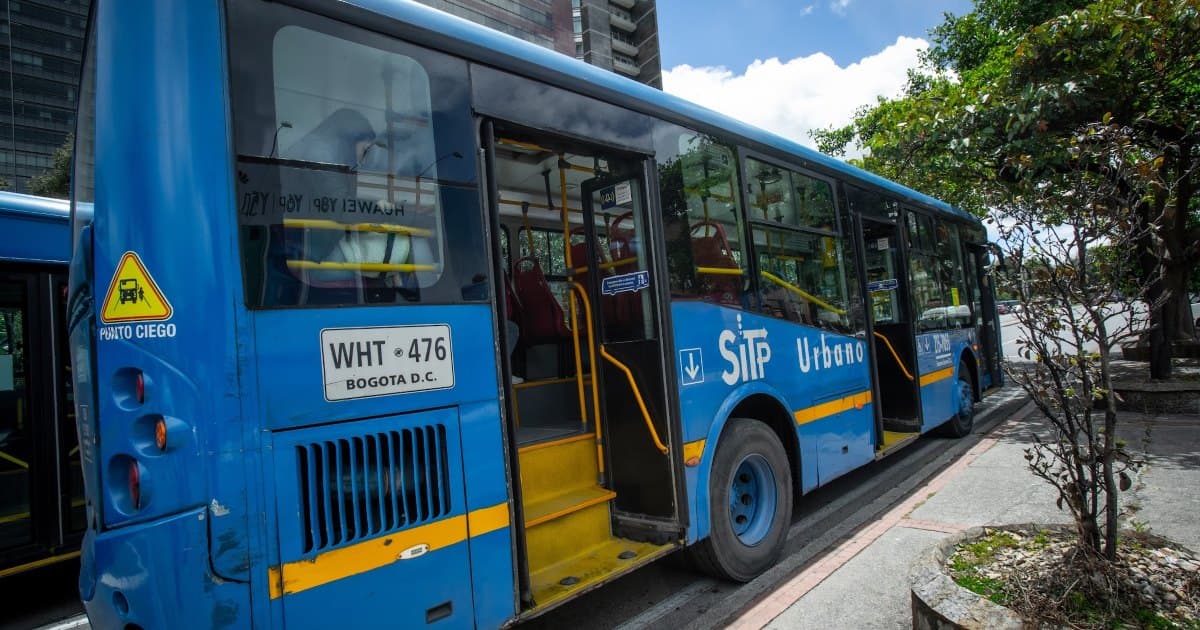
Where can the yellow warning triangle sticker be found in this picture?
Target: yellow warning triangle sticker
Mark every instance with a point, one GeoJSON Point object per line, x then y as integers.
{"type": "Point", "coordinates": [133, 296]}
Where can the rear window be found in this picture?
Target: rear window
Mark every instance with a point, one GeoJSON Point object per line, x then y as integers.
{"type": "Point", "coordinates": [355, 170]}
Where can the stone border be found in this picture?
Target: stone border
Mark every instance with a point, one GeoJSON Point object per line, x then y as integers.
{"type": "Point", "coordinates": [940, 604]}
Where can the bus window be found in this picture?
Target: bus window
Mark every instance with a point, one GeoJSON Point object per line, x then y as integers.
{"type": "Point", "coordinates": [352, 179]}
{"type": "Point", "coordinates": [703, 221]}
{"type": "Point", "coordinates": [16, 448]}
{"type": "Point", "coordinates": [926, 273]}
{"type": "Point", "coordinates": [949, 246]}
{"type": "Point", "coordinates": [802, 277]}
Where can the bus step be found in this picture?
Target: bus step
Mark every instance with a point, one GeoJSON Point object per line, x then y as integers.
{"type": "Point", "coordinates": [576, 499]}
{"type": "Point", "coordinates": [550, 469]}
{"type": "Point", "coordinates": [555, 583]}
{"type": "Point", "coordinates": [893, 441]}
{"type": "Point", "coordinates": [902, 425]}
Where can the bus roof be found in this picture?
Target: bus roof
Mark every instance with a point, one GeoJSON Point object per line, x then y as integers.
{"type": "Point", "coordinates": [37, 229]}
{"type": "Point", "coordinates": [492, 47]}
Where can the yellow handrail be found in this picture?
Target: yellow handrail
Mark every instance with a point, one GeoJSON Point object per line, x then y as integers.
{"type": "Point", "coordinates": [353, 266]}
{"type": "Point", "coordinates": [721, 271]}
{"type": "Point", "coordinates": [802, 293]}
{"type": "Point", "coordinates": [323, 224]}
{"type": "Point", "coordinates": [562, 186]}
{"type": "Point", "coordinates": [533, 204]}
{"type": "Point", "coordinates": [608, 265]}
{"type": "Point", "coordinates": [895, 356]}
{"type": "Point", "coordinates": [587, 312]}
{"type": "Point", "coordinates": [638, 395]}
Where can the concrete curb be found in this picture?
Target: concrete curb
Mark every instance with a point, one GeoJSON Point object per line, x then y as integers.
{"type": "Point", "coordinates": [940, 604]}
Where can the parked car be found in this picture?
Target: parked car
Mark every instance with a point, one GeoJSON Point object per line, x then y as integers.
{"type": "Point", "coordinates": [1004, 307]}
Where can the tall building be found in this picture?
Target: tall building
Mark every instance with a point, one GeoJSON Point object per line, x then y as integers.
{"type": "Point", "coordinates": [41, 43]}
{"type": "Point", "coordinates": [617, 35]}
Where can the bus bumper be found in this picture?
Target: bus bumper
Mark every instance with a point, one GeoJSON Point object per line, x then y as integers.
{"type": "Point", "coordinates": [157, 576]}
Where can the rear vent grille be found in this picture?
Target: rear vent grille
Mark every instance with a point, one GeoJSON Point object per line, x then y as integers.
{"type": "Point", "coordinates": [359, 487]}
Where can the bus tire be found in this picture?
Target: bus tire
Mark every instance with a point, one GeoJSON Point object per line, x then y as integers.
{"type": "Point", "coordinates": [750, 503]}
{"type": "Point", "coordinates": [963, 420]}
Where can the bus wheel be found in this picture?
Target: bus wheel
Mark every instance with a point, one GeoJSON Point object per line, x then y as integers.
{"type": "Point", "coordinates": [961, 424]}
{"type": "Point", "coordinates": [750, 503]}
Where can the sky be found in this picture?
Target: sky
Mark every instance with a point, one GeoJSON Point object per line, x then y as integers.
{"type": "Point", "coordinates": [793, 65]}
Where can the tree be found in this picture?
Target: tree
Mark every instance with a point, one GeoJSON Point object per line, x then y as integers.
{"type": "Point", "coordinates": [993, 129]}
{"type": "Point", "coordinates": [1070, 324]}
{"type": "Point", "coordinates": [56, 180]}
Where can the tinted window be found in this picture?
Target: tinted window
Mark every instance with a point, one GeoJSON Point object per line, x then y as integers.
{"type": "Point", "coordinates": [355, 170]}
{"type": "Point", "coordinates": [788, 197]}
{"type": "Point", "coordinates": [702, 216]}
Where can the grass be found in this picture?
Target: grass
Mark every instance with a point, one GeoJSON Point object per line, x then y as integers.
{"type": "Point", "coordinates": [1066, 602]}
{"type": "Point", "coordinates": [969, 557]}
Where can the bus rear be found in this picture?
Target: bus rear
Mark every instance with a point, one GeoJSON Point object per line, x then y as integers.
{"type": "Point", "coordinates": [264, 433]}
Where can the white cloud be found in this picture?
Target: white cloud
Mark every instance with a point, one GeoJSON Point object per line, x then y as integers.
{"type": "Point", "coordinates": [790, 98]}
{"type": "Point", "coordinates": [808, 10]}
{"type": "Point", "coordinates": [839, 6]}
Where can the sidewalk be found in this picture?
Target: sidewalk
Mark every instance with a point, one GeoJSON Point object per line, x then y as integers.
{"type": "Point", "coordinates": [863, 582]}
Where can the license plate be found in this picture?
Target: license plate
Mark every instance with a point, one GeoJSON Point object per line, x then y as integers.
{"type": "Point", "coordinates": [383, 361]}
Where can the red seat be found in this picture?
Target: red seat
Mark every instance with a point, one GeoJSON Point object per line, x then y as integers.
{"type": "Point", "coordinates": [711, 249]}
{"type": "Point", "coordinates": [541, 314]}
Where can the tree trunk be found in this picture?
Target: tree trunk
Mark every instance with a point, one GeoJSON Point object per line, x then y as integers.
{"type": "Point", "coordinates": [1160, 347]}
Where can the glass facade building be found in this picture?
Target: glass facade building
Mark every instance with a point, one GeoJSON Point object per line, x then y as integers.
{"type": "Point", "coordinates": [41, 42]}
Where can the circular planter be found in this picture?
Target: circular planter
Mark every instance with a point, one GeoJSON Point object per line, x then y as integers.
{"type": "Point", "coordinates": [940, 604]}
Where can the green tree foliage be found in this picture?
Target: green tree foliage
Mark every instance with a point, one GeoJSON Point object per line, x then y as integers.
{"type": "Point", "coordinates": [1006, 87]}
{"type": "Point", "coordinates": [56, 180]}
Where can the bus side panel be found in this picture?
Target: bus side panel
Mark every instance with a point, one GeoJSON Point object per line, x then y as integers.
{"type": "Point", "coordinates": [163, 181]}
{"type": "Point", "coordinates": [170, 555]}
{"type": "Point", "coordinates": [938, 355]}
{"type": "Point", "coordinates": [492, 570]}
{"type": "Point", "coordinates": [365, 507]}
{"type": "Point", "coordinates": [821, 380]}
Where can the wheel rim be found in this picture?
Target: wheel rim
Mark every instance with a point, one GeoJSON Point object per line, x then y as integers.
{"type": "Point", "coordinates": [966, 400]}
{"type": "Point", "coordinates": [752, 499]}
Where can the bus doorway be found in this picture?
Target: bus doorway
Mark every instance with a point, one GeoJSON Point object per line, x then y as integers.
{"type": "Point", "coordinates": [983, 308]}
{"type": "Point", "coordinates": [582, 313]}
{"type": "Point", "coordinates": [898, 409]}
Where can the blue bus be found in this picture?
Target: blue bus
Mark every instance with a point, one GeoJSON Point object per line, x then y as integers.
{"type": "Point", "coordinates": [41, 483]}
{"type": "Point", "coordinates": [383, 317]}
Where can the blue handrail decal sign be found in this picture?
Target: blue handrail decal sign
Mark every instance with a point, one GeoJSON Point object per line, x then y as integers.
{"type": "Point", "coordinates": [883, 285]}
{"type": "Point", "coordinates": [625, 283]}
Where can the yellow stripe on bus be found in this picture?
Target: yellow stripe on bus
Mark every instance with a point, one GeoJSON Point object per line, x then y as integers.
{"type": "Point", "coordinates": [824, 410]}
{"type": "Point", "coordinates": [301, 575]}
{"type": "Point", "coordinates": [487, 520]}
{"type": "Point", "coordinates": [939, 375]}
{"type": "Point", "coordinates": [38, 563]}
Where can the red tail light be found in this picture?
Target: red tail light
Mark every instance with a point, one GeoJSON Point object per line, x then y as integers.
{"type": "Point", "coordinates": [135, 485]}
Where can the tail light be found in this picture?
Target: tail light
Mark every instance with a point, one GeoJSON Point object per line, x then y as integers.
{"type": "Point", "coordinates": [160, 433]}
{"type": "Point", "coordinates": [135, 485]}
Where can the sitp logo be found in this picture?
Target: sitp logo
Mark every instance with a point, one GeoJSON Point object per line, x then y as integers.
{"type": "Point", "coordinates": [747, 356]}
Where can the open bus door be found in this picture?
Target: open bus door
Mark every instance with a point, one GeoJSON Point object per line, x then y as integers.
{"type": "Point", "coordinates": [41, 503]}
{"type": "Point", "coordinates": [598, 486]}
{"type": "Point", "coordinates": [892, 349]}
{"type": "Point", "coordinates": [986, 320]}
